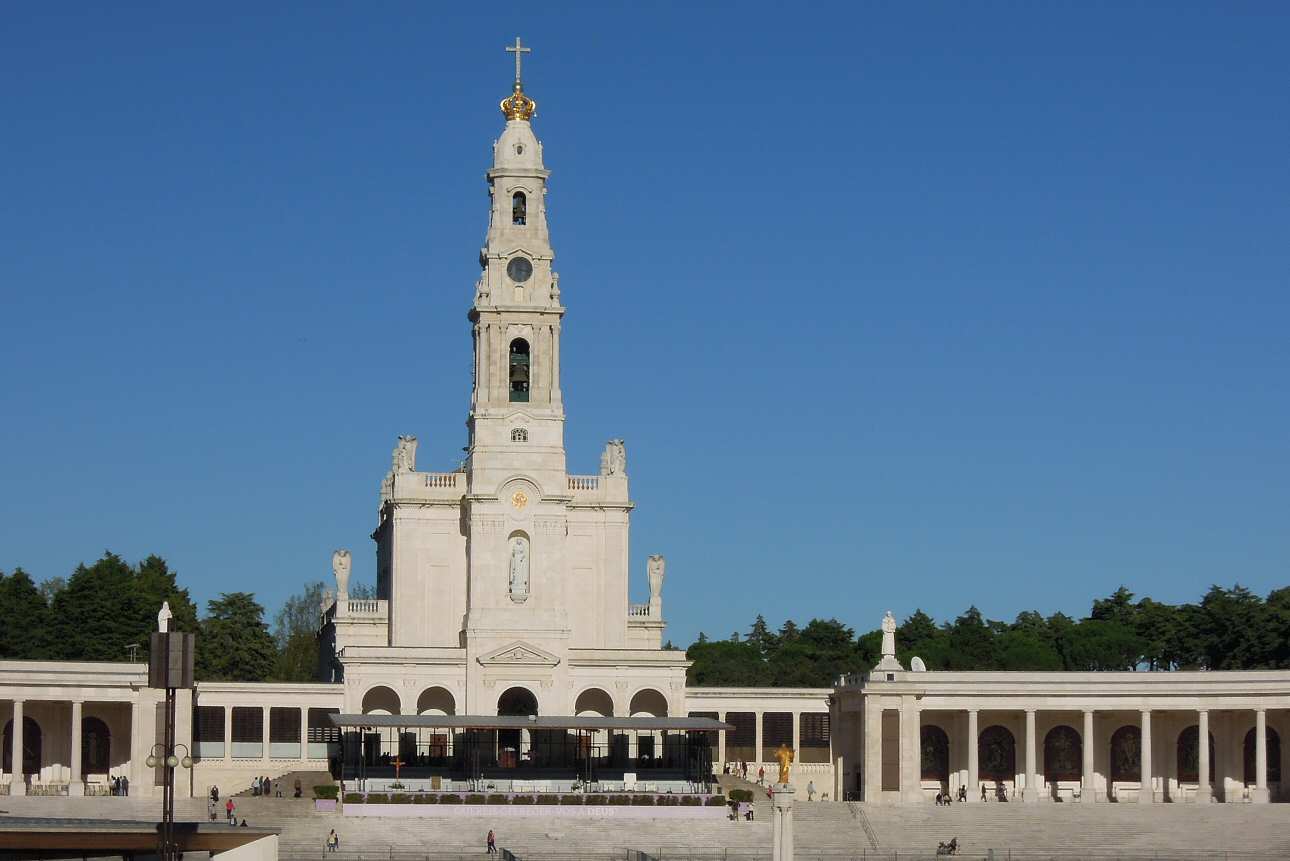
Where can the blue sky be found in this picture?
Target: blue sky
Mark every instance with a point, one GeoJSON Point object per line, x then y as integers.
{"type": "Point", "coordinates": [896, 305]}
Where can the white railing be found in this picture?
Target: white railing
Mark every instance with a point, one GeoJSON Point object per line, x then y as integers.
{"type": "Point", "coordinates": [638, 609]}
{"type": "Point", "coordinates": [584, 482]}
{"type": "Point", "coordinates": [363, 607]}
{"type": "Point", "coordinates": [442, 479]}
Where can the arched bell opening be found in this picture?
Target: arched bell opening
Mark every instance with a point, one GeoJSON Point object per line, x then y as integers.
{"type": "Point", "coordinates": [519, 209]}
{"type": "Point", "coordinates": [519, 371]}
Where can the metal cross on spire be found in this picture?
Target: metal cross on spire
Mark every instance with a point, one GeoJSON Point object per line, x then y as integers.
{"type": "Point", "coordinates": [518, 50]}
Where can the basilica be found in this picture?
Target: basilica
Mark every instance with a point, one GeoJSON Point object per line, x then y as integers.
{"type": "Point", "coordinates": [503, 645]}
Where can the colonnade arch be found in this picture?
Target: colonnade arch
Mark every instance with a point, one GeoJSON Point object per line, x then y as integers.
{"type": "Point", "coordinates": [32, 746]}
{"type": "Point", "coordinates": [648, 702]}
{"type": "Point", "coordinates": [1188, 748]}
{"type": "Point", "coordinates": [436, 700]}
{"type": "Point", "coordinates": [96, 746]}
{"type": "Point", "coordinates": [594, 702]}
{"type": "Point", "coordinates": [1063, 754]}
{"type": "Point", "coordinates": [381, 700]}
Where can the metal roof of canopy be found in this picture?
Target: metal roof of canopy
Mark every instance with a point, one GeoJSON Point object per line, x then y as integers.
{"type": "Point", "coordinates": [678, 724]}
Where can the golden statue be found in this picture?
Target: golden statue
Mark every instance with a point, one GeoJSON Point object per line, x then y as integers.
{"type": "Point", "coordinates": [784, 756]}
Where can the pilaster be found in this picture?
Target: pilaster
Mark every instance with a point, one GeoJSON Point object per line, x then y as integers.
{"type": "Point", "coordinates": [77, 784]}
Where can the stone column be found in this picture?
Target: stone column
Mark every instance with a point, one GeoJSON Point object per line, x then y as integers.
{"type": "Point", "coordinates": [782, 830]}
{"type": "Point", "coordinates": [1260, 794]}
{"type": "Point", "coordinates": [18, 781]}
{"type": "Point", "coordinates": [1204, 792]}
{"type": "Point", "coordinates": [228, 732]}
{"type": "Point", "coordinates": [304, 735]}
{"type": "Point", "coordinates": [872, 758]}
{"type": "Point", "coordinates": [264, 734]}
{"type": "Point", "coordinates": [77, 784]}
{"type": "Point", "coordinates": [797, 736]}
{"type": "Point", "coordinates": [721, 740]}
{"type": "Point", "coordinates": [1087, 792]}
{"type": "Point", "coordinates": [1146, 794]}
{"type": "Point", "coordinates": [911, 773]}
{"type": "Point", "coordinates": [756, 763]}
{"type": "Point", "coordinates": [1032, 788]}
{"type": "Point", "coordinates": [973, 752]}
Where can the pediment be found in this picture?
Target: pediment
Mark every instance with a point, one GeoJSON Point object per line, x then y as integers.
{"type": "Point", "coordinates": [518, 654]}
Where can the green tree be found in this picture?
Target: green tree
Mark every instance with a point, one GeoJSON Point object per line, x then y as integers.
{"type": "Point", "coordinates": [1279, 619]}
{"type": "Point", "coordinates": [1236, 629]}
{"type": "Point", "coordinates": [919, 636]}
{"type": "Point", "coordinates": [50, 588]}
{"type": "Point", "coordinates": [971, 643]}
{"type": "Point", "coordinates": [1102, 644]}
{"type": "Point", "coordinates": [868, 650]}
{"type": "Point", "coordinates": [822, 651]}
{"type": "Point", "coordinates": [24, 618]}
{"type": "Point", "coordinates": [761, 636]}
{"type": "Point", "coordinates": [295, 633]}
{"type": "Point", "coordinates": [233, 643]}
{"type": "Point", "coordinates": [157, 584]}
{"type": "Point", "coordinates": [725, 663]}
{"type": "Point", "coordinates": [99, 613]}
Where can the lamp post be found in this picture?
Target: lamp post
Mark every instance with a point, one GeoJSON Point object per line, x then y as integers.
{"type": "Point", "coordinates": [170, 666]}
{"type": "Point", "coordinates": [170, 761]}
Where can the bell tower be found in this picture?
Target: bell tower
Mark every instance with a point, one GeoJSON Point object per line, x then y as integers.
{"type": "Point", "coordinates": [516, 405]}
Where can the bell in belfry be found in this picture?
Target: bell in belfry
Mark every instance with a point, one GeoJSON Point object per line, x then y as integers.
{"type": "Point", "coordinates": [519, 373]}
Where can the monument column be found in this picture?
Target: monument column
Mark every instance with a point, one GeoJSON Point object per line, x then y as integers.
{"type": "Point", "coordinates": [1260, 794]}
{"type": "Point", "coordinates": [1032, 789]}
{"type": "Point", "coordinates": [18, 781]}
{"type": "Point", "coordinates": [1204, 793]}
{"type": "Point", "coordinates": [782, 832]}
{"type": "Point", "coordinates": [721, 740]}
{"type": "Point", "coordinates": [973, 752]}
{"type": "Point", "coordinates": [1146, 794]}
{"type": "Point", "coordinates": [1087, 792]}
{"type": "Point", "coordinates": [77, 784]}
{"type": "Point", "coordinates": [756, 763]}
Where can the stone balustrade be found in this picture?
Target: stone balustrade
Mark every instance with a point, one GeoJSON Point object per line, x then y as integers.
{"type": "Point", "coordinates": [638, 609]}
{"type": "Point", "coordinates": [584, 482]}
{"type": "Point", "coordinates": [444, 480]}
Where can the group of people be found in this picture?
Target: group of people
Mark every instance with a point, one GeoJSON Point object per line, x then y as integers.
{"type": "Point", "coordinates": [264, 786]}
{"type": "Point", "coordinates": [120, 786]}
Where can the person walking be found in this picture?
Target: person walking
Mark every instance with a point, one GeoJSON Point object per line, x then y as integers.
{"type": "Point", "coordinates": [333, 841]}
{"type": "Point", "coordinates": [810, 790]}
{"type": "Point", "coordinates": [492, 842]}
{"type": "Point", "coordinates": [229, 808]}
{"type": "Point", "coordinates": [761, 775]}
{"type": "Point", "coordinates": [299, 788]}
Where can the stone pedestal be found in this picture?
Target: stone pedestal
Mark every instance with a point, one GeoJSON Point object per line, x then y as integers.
{"type": "Point", "coordinates": [782, 830]}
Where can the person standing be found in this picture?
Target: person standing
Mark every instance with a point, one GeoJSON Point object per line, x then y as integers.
{"type": "Point", "coordinates": [229, 808]}
{"type": "Point", "coordinates": [761, 775]}
{"type": "Point", "coordinates": [810, 790]}
{"type": "Point", "coordinates": [492, 842]}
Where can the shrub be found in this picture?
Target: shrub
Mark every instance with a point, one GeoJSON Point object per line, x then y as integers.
{"type": "Point", "coordinates": [642, 801]}
{"type": "Point", "coordinates": [328, 791]}
{"type": "Point", "coordinates": [620, 799]}
{"type": "Point", "coordinates": [475, 798]}
{"type": "Point", "coordinates": [450, 798]}
{"type": "Point", "coordinates": [572, 800]}
{"type": "Point", "coordinates": [597, 799]}
{"type": "Point", "coordinates": [668, 800]}
{"type": "Point", "coordinates": [425, 798]}
{"type": "Point", "coordinates": [377, 798]}
{"type": "Point", "coordinates": [522, 799]}
{"type": "Point", "coordinates": [498, 799]}
{"type": "Point", "coordinates": [548, 799]}
{"type": "Point", "coordinates": [740, 795]}
{"type": "Point", "coordinates": [714, 801]}
{"type": "Point", "coordinates": [353, 798]}
{"type": "Point", "coordinates": [400, 798]}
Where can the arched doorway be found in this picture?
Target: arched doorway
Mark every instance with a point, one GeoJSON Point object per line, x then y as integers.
{"type": "Point", "coordinates": [1274, 757]}
{"type": "Point", "coordinates": [935, 747]}
{"type": "Point", "coordinates": [1126, 754]}
{"type": "Point", "coordinates": [32, 746]}
{"type": "Point", "coordinates": [1189, 755]}
{"type": "Point", "coordinates": [593, 702]}
{"type": "Point", "coordinates": [1063, 754]}
{"type": "Point", "coordinates": [516, 702]}
{"type": "Point", "coordinates": [997, 757]}
{"type": "Point", "coordinates": [96, 747]}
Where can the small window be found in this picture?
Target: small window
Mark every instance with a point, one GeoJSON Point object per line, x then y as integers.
{"type": "Point", "coordinates": [519, 149]}
{"type": "Point", "coordinates": [519, 371]}
{"type": "Point", "coordinates": [519, 209]}
{"type": "Point", "coordinates": [519, 435]}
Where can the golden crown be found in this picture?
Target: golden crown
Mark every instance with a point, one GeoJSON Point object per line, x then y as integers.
{"type": "Point", "coordinates": [518, 106]}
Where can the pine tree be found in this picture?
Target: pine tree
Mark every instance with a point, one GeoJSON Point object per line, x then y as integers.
{"type": "Point", "coordinates": [24, 618]}
{"type": "Point", "coordinates": [99, 613]}
{"type": "Point", "coordinates": [233, 643]}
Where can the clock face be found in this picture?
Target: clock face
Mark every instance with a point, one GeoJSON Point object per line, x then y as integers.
{"type": "Point", "coordinates": [519, 269]}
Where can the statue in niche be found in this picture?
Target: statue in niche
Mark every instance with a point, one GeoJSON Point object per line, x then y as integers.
{"type": "Point", "coordinates": [614, 459]}
{"type": "Point", "coordinates": [405, 455]}
{"type": "Point", "coordinates": [889, 635]}
{"type": "Point", "coordinates": [163, 617]}
{"type": "Point", "coordinates": [519, 568]}
{"type": "Point", "coordinates": [655, 567]}
{"type": "Point", "coordinates": [555, 287]}
{"type": "Point", "coordinates": [340, 565]}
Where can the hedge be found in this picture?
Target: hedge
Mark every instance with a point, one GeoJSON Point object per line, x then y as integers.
{"type": "Point", "coordinates": [642, 800]}
{"type": "Point", "coordinates": [497, 799]}
{"type": "Point", "coordinates": [714, 801]}
{"type": "Point", "coordinates": [740, 795]}
{"type": "Point", "coordinates": [377, 798]}
{"type": "Point", "coordinates": [400, 798]}
{"type": "Point", "coordinates": [353, 798]}
{"type": "Point", "coordinates": [327, 791]}
{"type": "Point", "coordinates": [450, 798]}
{"type": "Point", "coordinates": [572, 800]}
{"type": "Point", "coordinates": [548, 799]}
{"type": "Point", "coordinates": [425, 798]}
{"type": "Point", "coordinates": [475, 798]}
{"type": "Point", "coordinates": [522, 799]}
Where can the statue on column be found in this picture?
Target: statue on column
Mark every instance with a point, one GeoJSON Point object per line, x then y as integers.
{"type": "Point", "coordinates": [888, 663]}
{"type": "Point", "coordinates": [784, 756]}
{"type": "Point", "coordinates": [163, 617]}
{"type": "Point", "coordinates": [405, 455]}
{"type": "Point", "coordinates": [340, 565]}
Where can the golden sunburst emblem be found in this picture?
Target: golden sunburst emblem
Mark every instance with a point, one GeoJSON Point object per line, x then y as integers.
{"type": "Point", "coordinates": [519, 499]}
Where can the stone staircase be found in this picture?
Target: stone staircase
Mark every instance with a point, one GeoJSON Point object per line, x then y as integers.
{"type": "Point", "coordinates": [308, 780]}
